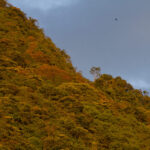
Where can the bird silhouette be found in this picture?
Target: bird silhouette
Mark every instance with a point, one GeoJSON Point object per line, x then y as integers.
{"type": "Point", "coordinates": [116, 19]}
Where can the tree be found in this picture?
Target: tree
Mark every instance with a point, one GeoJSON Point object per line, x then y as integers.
{"type": "Point", "coordinates": [95, 71]}
{"type": "Point", "coordinates": [145, 93]}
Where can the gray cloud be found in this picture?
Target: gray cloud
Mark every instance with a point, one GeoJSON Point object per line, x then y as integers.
{"type": "Point", "coordinates": [89, 33]}
{"type": "Point", "coordinates": [44, 5]}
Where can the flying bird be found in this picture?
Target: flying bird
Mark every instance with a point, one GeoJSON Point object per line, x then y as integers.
{"type": "Point", "coordinates": [116, 19]}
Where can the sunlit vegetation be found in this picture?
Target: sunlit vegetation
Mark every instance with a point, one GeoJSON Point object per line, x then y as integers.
{"type": "Point", "coordinates": [45, 104]}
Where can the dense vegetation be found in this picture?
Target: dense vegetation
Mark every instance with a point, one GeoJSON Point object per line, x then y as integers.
{"type": "Point", "coordinates": [45, 104]}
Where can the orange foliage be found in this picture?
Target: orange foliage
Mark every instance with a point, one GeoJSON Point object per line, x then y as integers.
{"type": "Point", "coordinates": [24, 71]}
{"type": "Point", "coordinates": [79, 78]}
{"type": "Point", "coordinates": [53, 73]}
{"type": "Point", "coordinates": [122, 105]}
{"type": "Point", "coordinates": [38, 56]}
{"type": "Point", "coordinates": [4, 40]}
{"type": "Point", "coordinates": [31, 38]}
{"type": "Point", "coordinates": [32, 47]}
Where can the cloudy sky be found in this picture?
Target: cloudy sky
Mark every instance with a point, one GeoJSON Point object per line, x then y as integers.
{"type": "Point", "coordinates": [88, 31]}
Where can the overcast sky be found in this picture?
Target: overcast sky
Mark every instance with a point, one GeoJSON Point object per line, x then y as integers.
{"type": "Point", "coordinates": [89, 32]}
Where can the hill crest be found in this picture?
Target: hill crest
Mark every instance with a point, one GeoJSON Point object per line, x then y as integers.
{"type": "Point", "coordinates": [45, 104]}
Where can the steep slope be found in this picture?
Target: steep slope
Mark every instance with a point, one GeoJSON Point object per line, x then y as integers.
{"type": "Point", "coordinates": [46, 105]}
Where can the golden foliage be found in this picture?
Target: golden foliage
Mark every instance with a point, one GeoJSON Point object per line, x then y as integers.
{"type": "Point", "coordinates": [46, 105]}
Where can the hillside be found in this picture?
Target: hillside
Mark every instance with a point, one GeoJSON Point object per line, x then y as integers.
{"type": "Point", "coordinates": [45, 104]}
